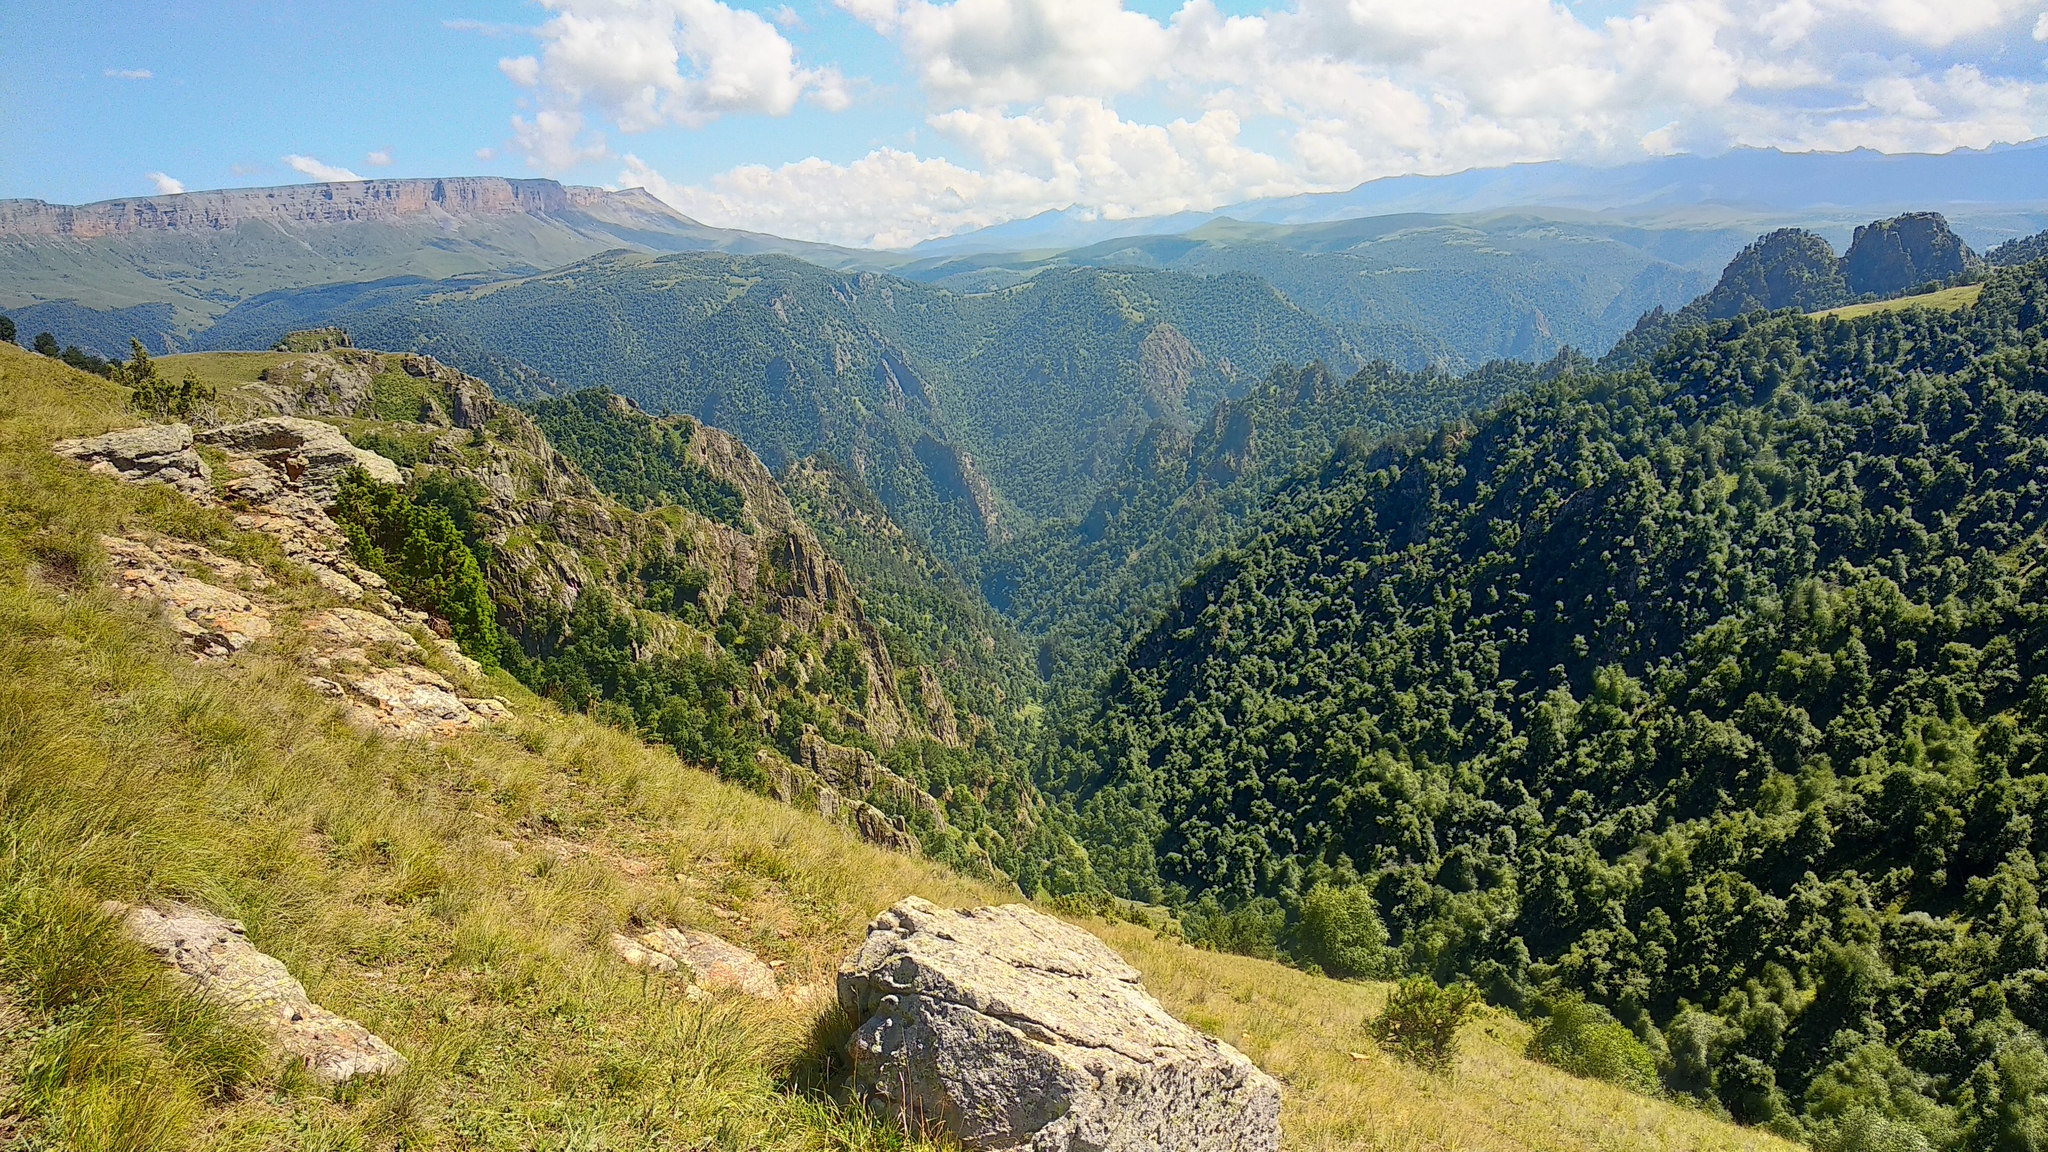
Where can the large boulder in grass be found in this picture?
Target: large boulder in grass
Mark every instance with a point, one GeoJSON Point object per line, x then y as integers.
{"type": "Point", "coordinates": [211, 957]}
{"type": "Point", "coordinates": [305, 455]}
{"type": "Point", "coordinates": [1009, 1029]}
{"type": "Point", "coordinates": [153, 453]}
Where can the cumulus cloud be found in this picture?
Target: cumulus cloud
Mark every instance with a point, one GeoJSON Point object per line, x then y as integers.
{"type": "Point", "coordinates": [644, 64]}
{"type": "Point", "coordinates": [1075, 150]}
{"type": "Point", "coordinates": [381, 158]}
{"type": "Point", "coordinates": [166, 185]}
{"type": "Point", "coordinates": [314, 169]}
{"type": "Point", "coordinates": [554, 141]}
{"type": "Point", "coordinates": [1035, 104]}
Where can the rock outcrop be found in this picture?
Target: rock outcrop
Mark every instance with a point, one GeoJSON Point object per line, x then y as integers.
{"type": "Point", "coordinates": [344, 202]}
{"type": "Point", "coordinates": [300, 454]}
{"type": "Point", "coordinates": [215, 619]}
{"type": "Point", "coordinates": [153, 453]}
{"type": "Point", "coordinates": [1010, 1029]}
{"type": "Point", "coordinates": [214, 958]}
{"type": "Point", "coordinates": [709, 962]}
{"type": "Point", "coordinates": [1904, 253]}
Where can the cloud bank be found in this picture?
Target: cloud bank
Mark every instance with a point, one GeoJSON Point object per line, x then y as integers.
{"type": "Point", "coordinates": [1043, 104]}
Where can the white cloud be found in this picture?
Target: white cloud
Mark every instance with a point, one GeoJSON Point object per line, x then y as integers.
{"type": "Point", "coordinates": [487, 153]}
{"type": "Point", "coordinates": [166, 185]}
{"type": "Point", "coordinates": [1074, 151]}
{"type": "Point", "coordinates": [381, 158]}
{"type": "Point", "coordinates": [324, 173]}
{"type": "Point", "coordinates": [1035, 102]}
{"type": "Point", "coordinates": [130, 73]}
{"type": "Point", "coordinates": [981, 52]}
{"type": "Point", "coordinates": [643, 64]}
{"type": "Point", "coordinates": [521, 70]}
{"type": "Point", "coordinates": [553, 141]}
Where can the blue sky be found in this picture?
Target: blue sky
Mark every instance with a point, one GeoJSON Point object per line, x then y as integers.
{"type": "Point", "coordinates": [886, 121]}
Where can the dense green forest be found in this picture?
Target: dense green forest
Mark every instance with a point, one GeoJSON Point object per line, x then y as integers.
{"type": "Point", "coordinates": [1711, 691]}
{"type": "Point", "coordinates": [632, 457]}
{"type": "Point", "coordinates": [1086, 587]}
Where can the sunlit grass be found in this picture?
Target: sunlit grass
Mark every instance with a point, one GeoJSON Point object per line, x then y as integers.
{"type": "Point", "coordinates": [1946, 300]}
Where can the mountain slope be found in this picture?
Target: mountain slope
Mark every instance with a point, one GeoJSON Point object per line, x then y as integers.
{"type": "Point", "coordinates": [1709, 691]}
{"type": "Point", "coordinates": [1419, 290]}
{"type": "Point", "coordinates": [679, 595]}
{"type": "Point", "coordinates": [1087, 588]}
{"type": "Point", "coordinates": [456, 896]}
{"type": "Point", "coordinates": [967, 415]}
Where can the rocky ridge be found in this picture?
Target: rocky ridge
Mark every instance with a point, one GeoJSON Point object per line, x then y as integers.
{"type": "Point", "coordinates": [552, 535]}
{"type": "Point", "coordinates": [282, 472]}
{"type": "Point", "coordinates": [340, 202]}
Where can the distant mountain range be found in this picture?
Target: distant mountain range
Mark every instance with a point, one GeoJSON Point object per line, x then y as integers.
{"type": "Point", "coordinates": [163, 267]}
{"type": "Point", "coordinates": [1989, 195]}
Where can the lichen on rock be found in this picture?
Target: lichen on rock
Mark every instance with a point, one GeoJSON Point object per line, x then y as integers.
{"type": "Point", "coordinates": [153, 453]}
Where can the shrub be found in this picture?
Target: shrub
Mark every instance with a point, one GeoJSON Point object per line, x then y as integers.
{"type": "Point", "coordinates": [1249, 929]}
{"type": "Point", "coordinates": [1420, 1022]}
{"type": "Point", "coordinates": [154, 396]}
{"type": "Point", "coordinates": [419, 550]}
{"type": "Point", "coordinates": [1585, 1040]}
{"type": "Point", "coordinates": [7, 330]}
{"type": "Point", "coordinates": [1341, 931]}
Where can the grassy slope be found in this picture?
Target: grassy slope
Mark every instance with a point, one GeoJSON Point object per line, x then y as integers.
{"type": "Point", "coordinates": [456, 898]}
{"type": "Point", "coordinates": [1946, 300]}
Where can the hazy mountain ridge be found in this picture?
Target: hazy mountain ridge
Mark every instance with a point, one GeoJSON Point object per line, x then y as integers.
{"type": "Point", "coordinates": [970, 416]}
{"type": "Point", "coordinates": [1992, 193]}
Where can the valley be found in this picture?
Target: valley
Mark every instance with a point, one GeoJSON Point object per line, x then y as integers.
{"type": "Point", "coordinates": [1632, 626]}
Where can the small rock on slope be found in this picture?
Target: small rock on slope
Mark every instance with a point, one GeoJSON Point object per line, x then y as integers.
{"type": "Point", "coordinates": [214, 959]}
{"type": "Point", "coordinates": [711, 963]}
{"type": "Point", "coordinates": [1010, 1029]}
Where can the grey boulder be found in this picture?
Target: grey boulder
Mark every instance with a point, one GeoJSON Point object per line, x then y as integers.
{"type": "Point", "coordinates": [1011, 1030]}
{"type": "Point", "coordinates": [302, 454]}
{"type": "Point", "coordinates": [153, 453]}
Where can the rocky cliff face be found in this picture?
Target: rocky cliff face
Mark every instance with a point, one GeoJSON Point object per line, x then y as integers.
{"type": "Point", "coordinates": [552, 535]}
{"type": "Point", "coordinates": [337, 203]}
{"type": "Point", "coordinates": [1904, 253]}
{"type": "Point", "coordinates": [1788, 268]}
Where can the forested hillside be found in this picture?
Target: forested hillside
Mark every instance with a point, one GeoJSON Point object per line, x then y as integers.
{"type": "Point", "coordinates": [1711, 690]}
{"type": "Point", "coordinates": [968, 416]}
{"type": "Point", "coordinates": [653, 574]}
{"type": "Point", "coordinates": [1086, 587]}
{"type": "Point", "coordinates": [1423, 291]}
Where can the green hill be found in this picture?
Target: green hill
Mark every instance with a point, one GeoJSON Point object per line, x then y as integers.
{"type": "Point", "coordinates": [1709, 690]}
{"type": "Point", "coordinates": [1087, 587]}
